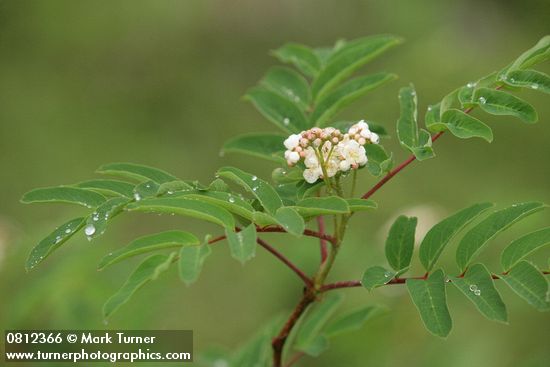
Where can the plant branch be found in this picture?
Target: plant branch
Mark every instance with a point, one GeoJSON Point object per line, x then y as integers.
{"type": "Point", "coordinates": [395, 171]}
{"type": "Point", "coordinates": [286, 261]}
{"type": "Point", "coordinates": [307, 280]}
{"type": "Point", "coordinates": [357, 283]}
{"type": "Point", "coordinates": [278, 342]}
{"type": "Point", "coordinates": [322, 241]}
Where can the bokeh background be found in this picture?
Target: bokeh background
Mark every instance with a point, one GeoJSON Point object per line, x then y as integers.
{"type": "Point", "coordinates": [160, 82]}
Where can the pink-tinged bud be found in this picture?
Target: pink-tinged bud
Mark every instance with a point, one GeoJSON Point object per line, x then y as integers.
{"type": "Point", "coordinates": [302, 154]}
{"type": "Point", "coordinates": [317, 142]}
{"type": "Point", "coordinates": [354, 166]}
{"type": "Point", "coordinates": [304, 142]}
{"type": "Point", "coordinates": [362, 141]}
{"type": "Point", "coordinates": [335, 140]}
{"type": "Point", "coordinates": [323, 136]}
{"type": "Point", "coordinates": [298, 149]}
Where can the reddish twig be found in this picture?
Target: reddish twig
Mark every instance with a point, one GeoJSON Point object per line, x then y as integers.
{"type": "Point", "coordinates": [307, 232]}
{"type": "Point", "coordinates": [322, 241]}
{"type": "Point", "coordinates": [275, 253]}
{"type": "Point", "coordinates": [395, 171]}
{"type": "Point", "coordinates": [279, 341]}
{"type": "Point", "coordinates": [357, 283]}
{"type": "Point", "coordinates": [287, 262]}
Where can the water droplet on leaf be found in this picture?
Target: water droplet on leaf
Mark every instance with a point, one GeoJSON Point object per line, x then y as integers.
{"type": "Point", "coordinates": [89, 230]}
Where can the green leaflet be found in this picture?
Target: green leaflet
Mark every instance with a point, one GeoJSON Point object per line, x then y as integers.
{"type": "Point", "coordinates": [302, 57]}
{"type": "Point", "coordinates": [108, 187]}
{"type": "Point", "coordinates": [191, 261]}
{"type": "Point", "coordinates": [359, 205]}
{"type": "Point", "coordinates": [157, 241]}
{"type": "Point", "coordinates": [523, 246]}
{"type": "Point", "coordinates": [231, 202]}
{"type": "Point", "coordinates": [242, 244]}
{"type": "Point", "coordinates": [464, 126]}
{"type": "Point", "coordinates": [477, 238]}
{"type": "Point", "coordinates": [528, 282]}
{"type": "Point", "coordinates": [288, 84]}
{"type": "Point", "coordinates": [407, 126]}
{"type": "Point", "coordinates": [537, 54]}
{"type": "Point", "coordinates": [376, 276]}
{"type": "Point", "coordinates": [379, 162]}
{"type": "Point", "coordinates": [439, 236]}
{"type": "Point", "coordinates": [315, 206]}
{"type": "Point", "coordinates": [285, 114]}
{"type": "Point", "coordinates": [430, 299]}
{"type": "Point", "coordinates": [290, 220]}
{"type": "Point", "coordinates": [257, 352]}
{"type": "Point", "coordinates": [173, 187]}
{"type": "Point", "coordinates": [188, 207]}
{"type": "Point", "coordinates": [147, 189]}
{"type": "Point", "coordinates": [400, 242]}
{"type": "Point", "coordinates": [432, 119]}
{"type": "Point", "coordinates": [478, 285]}
{"type": "Point", "coordinates": [136, 171]}
{"type": "Point", "coordinates": [353, 320]}
{"type": "Point", "coordinates": [497, 102]}
{"type": "Point", "coordinates": [64, 194]}
{"type": "Point", "coordinates": [309, 338]}
{"type": "Point", "coordinates": [96, 223]}
{"type": "Point", "coordinates": [419, 142]}
{"type": "Point", "coordinates": [333, 102]}
{"type": "Point", "coordinates": [532, 79]}
{"type": "Point", "coordinates": [148, 270]}
{"type": "Point", "coordinates": [55, 239]}
{"type": "Point", "coordinates": [348, 59]}
{"type": "Point", "coordinates": [263, 191]}
{"type": "Point", "coordinates": [262, 145]}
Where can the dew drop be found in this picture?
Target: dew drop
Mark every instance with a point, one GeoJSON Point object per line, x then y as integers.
{"type": "Point", "coordinates": [429, 108]}
{"type": "Point", "coordinates": [89, 230]}
{"type": "Point", "coordinates": [535, 86]}
{"type": "Point", "coordinates": [255, 188]}
{"type": "Point", "coordinates": [68, 230]}
{"type": "Point", "coordinates": [473, 287]}
{"type": "Point", "coordinates": [57, 239]}
{"type": "Point", "coordinates": [477, 292]}
{"type": "Point", "coordinates": [170, 192]}
{"type": "Point", "coordinates": [231, 199]}
{"type": "Point", "coordinates": [387, 274]}
{"type": "Point", "coordinates": [286, 121]}
{"type": "Point", "coordinates": [148, 186]}
{"type": "Point", "coordinates": [471, 84]}
{"type": "Point", "coordinates": [512, 80]}
{"type": "Point", "coordinates": [137, 196]}
{"type": "Point", "coordinates": [254, 178]}
{"type": "Point", "coordinates": [482, 100]}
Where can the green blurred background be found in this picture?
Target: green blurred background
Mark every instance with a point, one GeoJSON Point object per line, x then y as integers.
{"type": "Point", "coordinates": [159, 83]}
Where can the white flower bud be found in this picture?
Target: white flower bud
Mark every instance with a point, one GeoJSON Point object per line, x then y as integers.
{"type": "Point", "coordinates": [292, 141]}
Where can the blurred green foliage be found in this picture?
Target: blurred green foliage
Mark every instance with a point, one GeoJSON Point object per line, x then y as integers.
{"type": "Point", "coordinates": [160, 82]}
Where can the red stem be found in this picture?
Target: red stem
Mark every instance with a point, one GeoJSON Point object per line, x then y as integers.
{"type": "Point", "coordinates": [396, 170]}
{"type": "Point", "coordinates": [357, 283]}
{"type": "Point", "coordinates": [287, 262]}
{"type": "Point", "coordinates": [322, 241]}
{"type": "Point", "coordinates": [276, 253]}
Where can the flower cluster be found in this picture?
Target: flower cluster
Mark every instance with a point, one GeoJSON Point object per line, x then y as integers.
{"type": "Point", "coordinates": [325, 152]}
